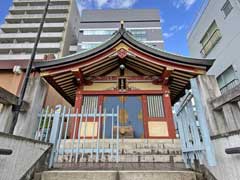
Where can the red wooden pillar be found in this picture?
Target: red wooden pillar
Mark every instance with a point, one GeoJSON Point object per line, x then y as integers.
{"type": "Point", "coordinates": [169, 113]}
{"type": "Point", "coordinates": [145, 116]}
{"type": "Point", "coordinates": [77, 108]}
{"type": "Point", "coordinates": [100, 104]}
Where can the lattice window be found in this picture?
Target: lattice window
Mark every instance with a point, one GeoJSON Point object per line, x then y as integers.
{"type": "Point", "coordinates": [122, 84]}
{"type": "Point", "coordinates": [155, 106]}
{"type": "Point", "coordinates": [90, 104]}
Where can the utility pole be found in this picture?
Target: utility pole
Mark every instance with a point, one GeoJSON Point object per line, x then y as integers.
{"type": "Point", "coordinates": [17, 108]}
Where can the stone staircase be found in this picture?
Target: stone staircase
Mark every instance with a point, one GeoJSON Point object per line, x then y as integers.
{"type": "Point", "coordinates": [130, 150]}
{"type": "Point", "coordinates": [119, 175]}
{"type": "Point", "coordinates": [139, 159]}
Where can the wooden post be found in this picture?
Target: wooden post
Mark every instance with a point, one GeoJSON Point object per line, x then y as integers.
{"type": "Point", "coordinates": [169, 114]}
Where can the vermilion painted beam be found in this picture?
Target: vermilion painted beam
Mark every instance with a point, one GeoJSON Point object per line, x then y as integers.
{"type": "Point", "coordinates": [117, 92]}
{"type": "Point", "coordinates": [163, 62]}
{"type": "Point", "coordinates": [134, 70]}
{"type": "Point", "coordinates": [166, 75]}
{"type": "Point", "coordinates": [78, 75]}
{"type": "Point", "coordinates": [109, 78]}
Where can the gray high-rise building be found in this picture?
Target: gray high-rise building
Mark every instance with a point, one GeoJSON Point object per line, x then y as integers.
{"type": "Point", "coordinates": [19, 31]}
{"type": "Point", "coordinates": [96, 26]}
{"type": "Point", "coordinates": [216, 34]}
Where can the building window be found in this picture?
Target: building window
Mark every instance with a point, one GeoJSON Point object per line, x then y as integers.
{"type": "Point", "coordinates": [155, 106]}
{"type": "Point", "coordinates": [98, 32]}
{"type": "Point", "coordinates": [227, 8]}
{"type": "Point", "coordinates": [87, 46]}
{"type": "Point", "coordinates": [227, 80]}
{"type": "Point", "coordinates": [138, 34]}
{"type": "Point", "coordinates": [210, 39]}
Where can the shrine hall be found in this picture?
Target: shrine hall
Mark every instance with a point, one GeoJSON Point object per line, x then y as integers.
{"type": "Point", "coordinates": [142, 81]}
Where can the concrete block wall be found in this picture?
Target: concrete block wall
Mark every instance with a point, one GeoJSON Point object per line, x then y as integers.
{"type": "Point", "coordinates": [223, 116]}
{"type": "Point", "coordinates": [35, 95]}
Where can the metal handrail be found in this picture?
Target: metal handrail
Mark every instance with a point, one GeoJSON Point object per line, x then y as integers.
{"type": "Point", "coordinates": [226, 86]}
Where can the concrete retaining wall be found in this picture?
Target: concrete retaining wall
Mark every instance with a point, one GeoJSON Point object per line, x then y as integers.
{"type": "Point", "coordinates": [26, 153]}
{"type": "Point", "coordinates": [223, 116]}
{"type": "Point", "coordinates": [35, 95]}
{"type": "Point", "coordinates": [228, 166]}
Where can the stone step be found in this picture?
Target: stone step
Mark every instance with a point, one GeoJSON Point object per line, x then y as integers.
{"type": "Point", "coordinates": [126, 151]}
{"type": "Point", "coordinates": [127, 144]}
{"type": "Point", "coordinates": [123, 158]}
{"type": "Point", "coordinates": [119, 175]}
{"type": "Point", "coordinates": [121, 166]}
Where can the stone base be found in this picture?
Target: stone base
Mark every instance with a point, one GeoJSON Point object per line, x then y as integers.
{"type": "Point", "coordinates": [120, 175]}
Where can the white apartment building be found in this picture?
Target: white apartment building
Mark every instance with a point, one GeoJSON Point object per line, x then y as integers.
{"type": "Point", "coordinates": [216, 34]}
{"type": "Point", "coordinates": [19, 31]}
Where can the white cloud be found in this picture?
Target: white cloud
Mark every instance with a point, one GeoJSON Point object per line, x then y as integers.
{"type": "Point", "coordinates": [99, 4]}
{"type": "Point", "coordinates": [114, 3]}
{"type": "Point", "coordinates": [121, 4]}
{"type": "Point", "coordinates": [173, 30]}
{"type": "Point", "coordinates": [189, 3]}
{"type": "Point", "coordinates": [176, 28]}
{"type": "Point", "coordinates": [168, 35]}
{"type": "Point", "coordinates": [162, 20]}
{"type": "Point", "coordinates": [180, 27]}
{"type": "Point", "coordinates": [186, 3]}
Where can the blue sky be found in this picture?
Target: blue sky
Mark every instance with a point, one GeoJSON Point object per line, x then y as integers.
{"type": "Point", "coordinates": [177, 16]}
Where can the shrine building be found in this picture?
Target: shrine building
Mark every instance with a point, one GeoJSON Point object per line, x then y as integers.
{"type": "Point", "coordinates": [141, 81]}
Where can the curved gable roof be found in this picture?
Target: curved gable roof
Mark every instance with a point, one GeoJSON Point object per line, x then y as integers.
{"type": "Point", "coordinates": [123, 35]}
{"type": "Point", "coordinates": [60, 73]}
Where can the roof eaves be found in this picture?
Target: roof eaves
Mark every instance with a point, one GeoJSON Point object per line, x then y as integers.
{"type": "Point", "coordinates": [80, 55]}
{"type": "Point", "coordinates": [157, 52]}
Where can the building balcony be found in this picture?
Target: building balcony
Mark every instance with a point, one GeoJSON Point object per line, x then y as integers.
{"type": "Point", "coordinates": [35, 18]}
{"type": "Point", "coordinates": [27, 47]}
{"type": "Point", "coordinates": [30, 37]}
{"type": "Point", "coordinates": [38, 9]}
{"type": "Point", "coordinates": [229, 86]}
{"type": "Point", "coordinates": [19, 56]}
{"type": "Point", "coordinates": [32, 27]}
{"type": "Point", "coordinates": [39, 2]}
